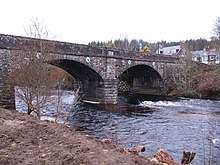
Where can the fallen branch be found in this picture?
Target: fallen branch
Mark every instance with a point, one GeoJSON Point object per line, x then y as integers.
{"type": "Point", "coordinates": [187, 157]}
{"type": "Point", "coordinates": [163, 157]}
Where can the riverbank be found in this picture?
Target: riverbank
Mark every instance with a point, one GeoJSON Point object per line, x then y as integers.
{"type": "Point", "coordinates": [26, 140]}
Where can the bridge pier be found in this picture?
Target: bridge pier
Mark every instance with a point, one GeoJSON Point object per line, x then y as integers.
{"type": "Point", "coordinates": [110, 91]}
{"type": "Point", "coordinates": [7, 97]}
{"type": "Point", "coordinates": [104, 92]}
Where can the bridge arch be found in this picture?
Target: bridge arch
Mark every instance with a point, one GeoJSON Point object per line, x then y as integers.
{"type": "Point", "coordinates": [86, 62]}
{"type": "Point", "coordinates": [89, 81]}
{"type": "Point", "coordinates": [142, 79]}
{"type": "Point", "coordinates": [141, 69]}
{"type": "Point", "coordinates": [76, 69]}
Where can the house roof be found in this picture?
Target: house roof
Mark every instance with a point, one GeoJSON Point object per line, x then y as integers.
{"type": "Point", "coordinates": [171, 50]}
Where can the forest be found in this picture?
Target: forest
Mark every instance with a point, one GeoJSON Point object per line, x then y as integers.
{"type": "Point", "coordinates": [138, 44]}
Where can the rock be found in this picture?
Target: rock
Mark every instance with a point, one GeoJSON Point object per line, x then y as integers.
{"type": "Point", "coordinates": [43, 155]}
{"type": "Point", "coordinates": [106, 141]}
{"type": "Point", "coordinates": [137, 150]}
{"type": "Point", "coordinates": [4, 161]}
{"type": "Point", "coordinates": [13, 145]}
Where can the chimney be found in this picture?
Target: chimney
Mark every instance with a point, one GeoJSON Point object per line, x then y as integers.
{"type": "Point", "coordinates": [184, 47]}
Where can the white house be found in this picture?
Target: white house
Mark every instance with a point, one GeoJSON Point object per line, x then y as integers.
{"type": "Point", "coordinates": [206, 56]}
{"type": "Point", "coordinates": [171, 50]}
{"type": "Point", "coordinates": [178, 50]}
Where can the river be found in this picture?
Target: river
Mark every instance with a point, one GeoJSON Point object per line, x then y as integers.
{"type": "Point", "coordinates": [175, 125]}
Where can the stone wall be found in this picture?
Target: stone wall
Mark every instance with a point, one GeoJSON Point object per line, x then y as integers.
{"type": "Point", "coordinates": [123, 86]}
{"type": "Point", "coordinates": [7, 98]}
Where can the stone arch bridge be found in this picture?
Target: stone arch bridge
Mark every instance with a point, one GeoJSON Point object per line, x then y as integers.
{"type": "Point", "coordinates": [96, 68]}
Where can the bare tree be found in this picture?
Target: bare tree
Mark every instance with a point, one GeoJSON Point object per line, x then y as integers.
{"type": "Point", "coordinates": [35, 84]}
{"type": "Point", "coordinates": [37, 29]}
{"type": "Point", "coordinates": [33, 74]}
{"type": "Point", "coordinates": [182, 75]}
{"type": "Point", "coordinates": [216, 28]}
{"type": "Point", "coordinates": [215, 40]}
{"type": "Point", "coordinates": [35, 78]}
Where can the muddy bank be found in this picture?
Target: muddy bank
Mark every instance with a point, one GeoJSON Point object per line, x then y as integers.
{"type": "Point", "coordinates": [26, 140]}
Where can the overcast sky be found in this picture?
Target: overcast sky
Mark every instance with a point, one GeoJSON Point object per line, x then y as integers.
{"type": "Point", "coordinates": [83, 21]}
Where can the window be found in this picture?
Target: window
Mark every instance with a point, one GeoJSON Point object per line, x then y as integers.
{"type": "Point", "coordinates": [198, 59]}
{"type": "Point", "coordinates": [212, 58]}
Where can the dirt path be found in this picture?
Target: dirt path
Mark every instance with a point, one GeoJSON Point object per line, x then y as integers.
{"type": "Point", "coordinates": [26, 140]}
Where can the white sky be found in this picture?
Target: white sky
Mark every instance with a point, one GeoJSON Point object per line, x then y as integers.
{"type": "Point", "coordinates": [83, 21]}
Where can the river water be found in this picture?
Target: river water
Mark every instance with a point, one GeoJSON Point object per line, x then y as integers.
{"type": "Point", "coordinates": [175, 126]}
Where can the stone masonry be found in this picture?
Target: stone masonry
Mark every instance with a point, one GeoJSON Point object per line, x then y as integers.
{"type": "Point", "coordinates": [96, 68]}
{"type": "Point", "coordinates": [7, 98]}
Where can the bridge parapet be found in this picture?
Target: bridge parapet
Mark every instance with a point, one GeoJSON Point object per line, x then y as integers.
{"type": "Point", "coordinates": [25, 43]}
